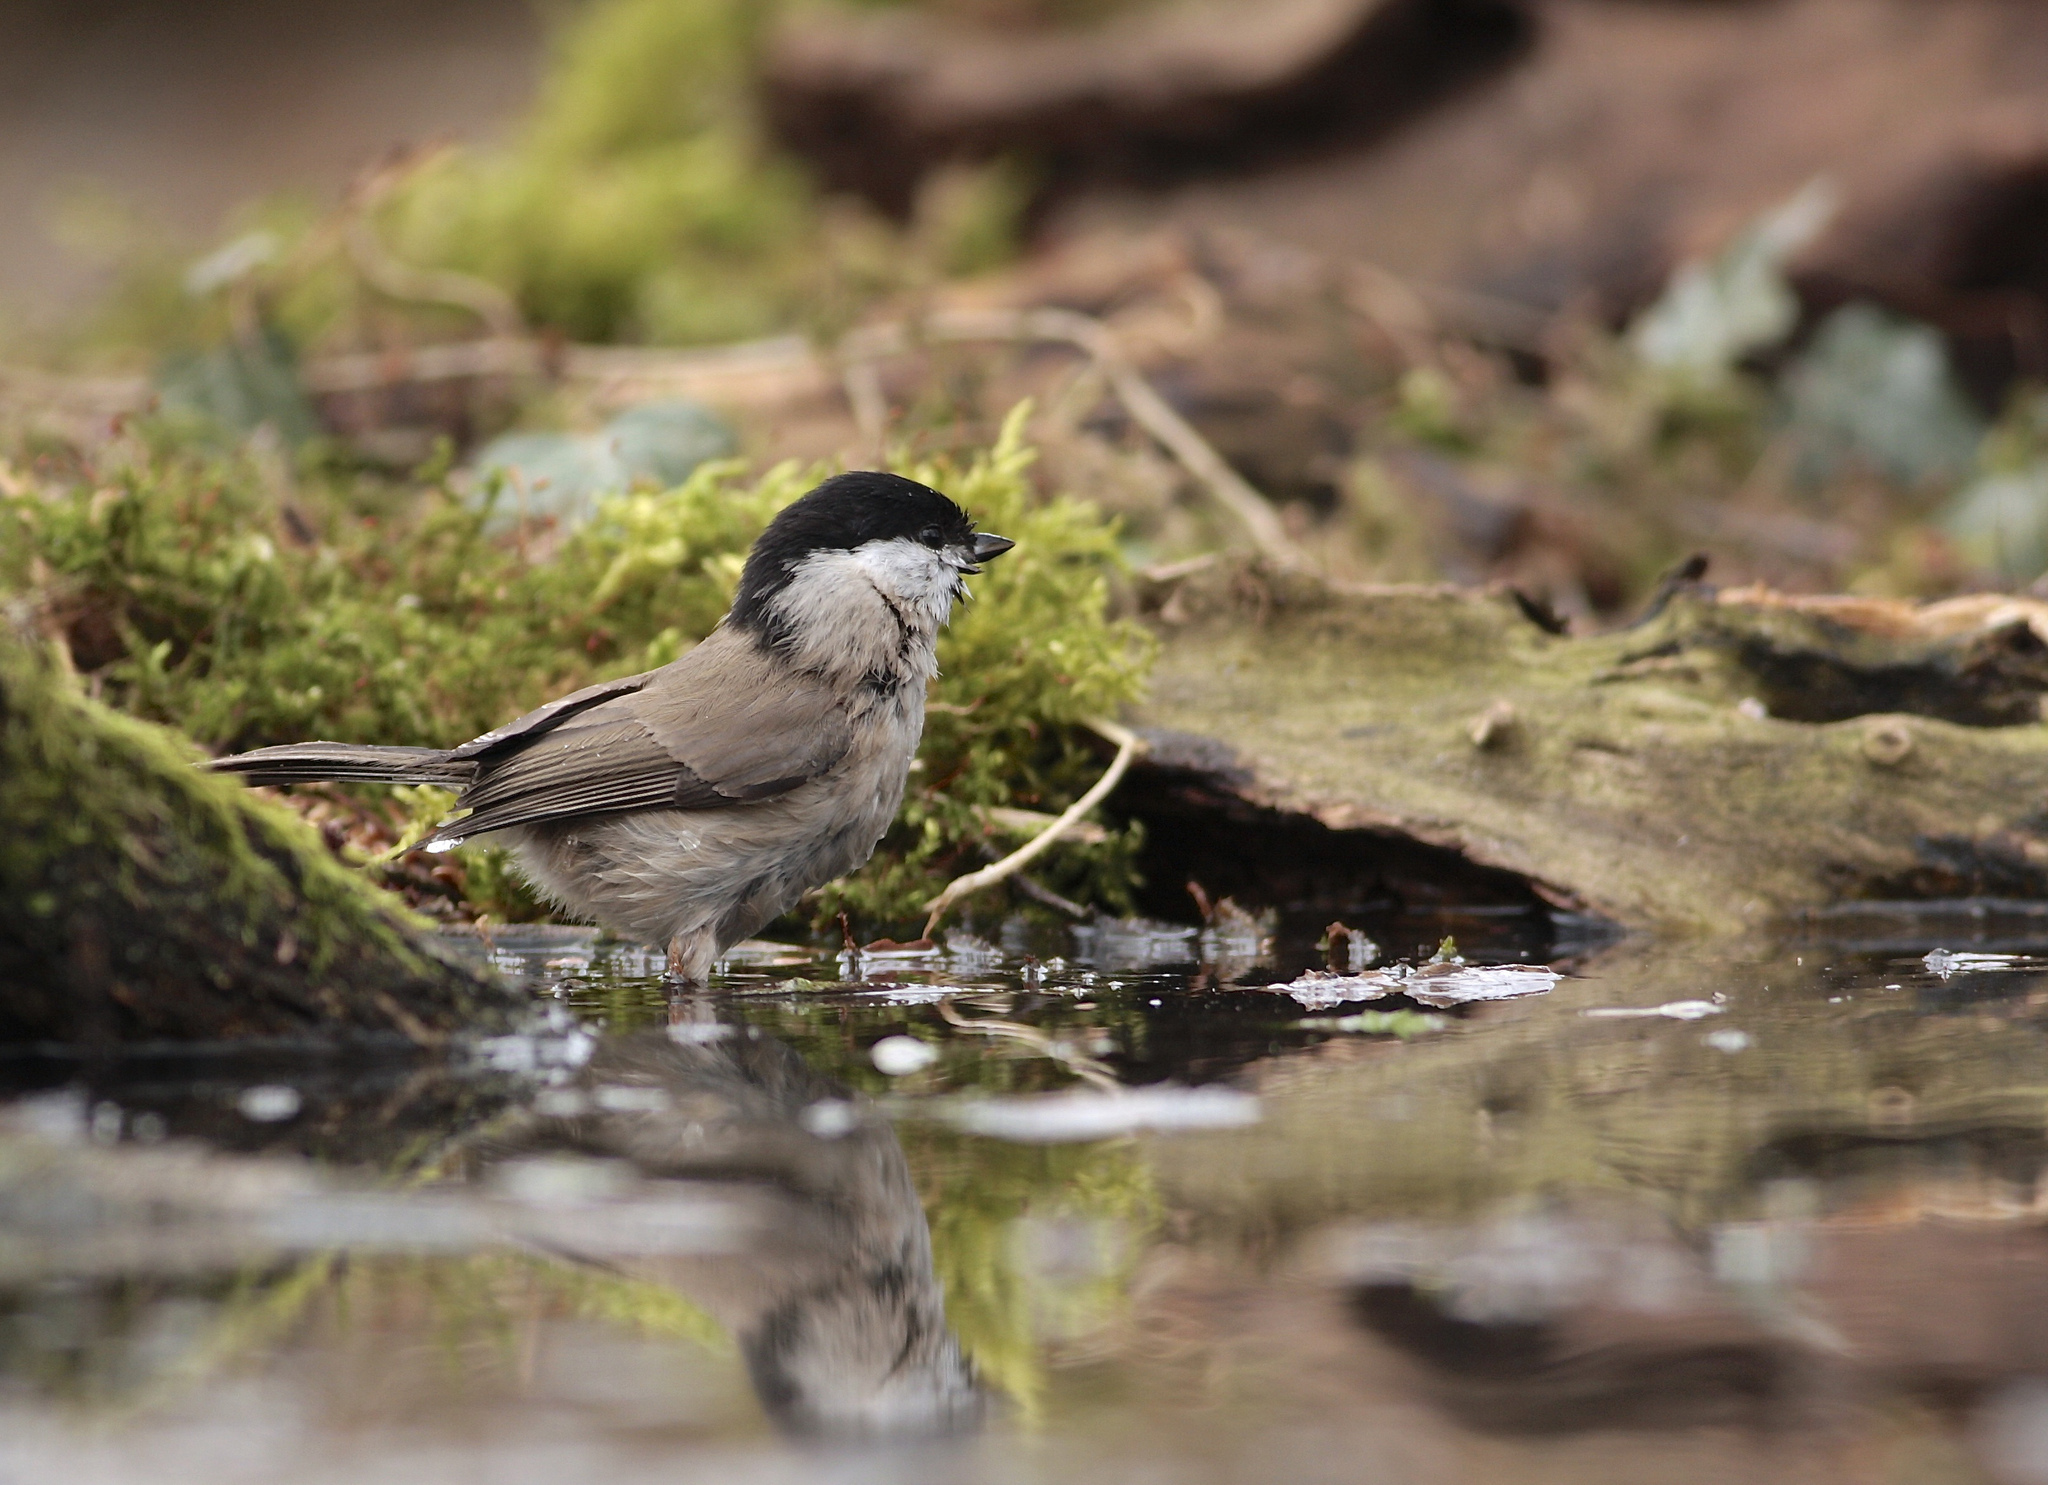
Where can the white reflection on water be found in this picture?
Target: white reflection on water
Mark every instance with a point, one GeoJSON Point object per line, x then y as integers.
{"type": "Point", "coordinates": [1062, 1117]}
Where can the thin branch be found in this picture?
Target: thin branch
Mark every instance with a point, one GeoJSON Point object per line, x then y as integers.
{"type": "Point", "coordinates": [1146, 407]}
{"type": "Point", "coordinates": [407, 281]}
{"type": "Point", "coordinates": [1039, 892]}
{"type": "Point", "coordinates": [1128, 746]}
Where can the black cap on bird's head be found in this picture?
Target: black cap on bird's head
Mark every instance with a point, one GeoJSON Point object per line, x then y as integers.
{"type": "Point", "coordinates": [847, 512]}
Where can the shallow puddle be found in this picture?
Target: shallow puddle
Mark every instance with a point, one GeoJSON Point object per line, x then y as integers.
{"type": "Point", "coordinates": [1093, 1206]}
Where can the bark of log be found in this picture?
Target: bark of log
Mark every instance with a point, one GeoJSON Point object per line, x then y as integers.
{"type": "Point", "coordinates": [1722, 765]}
{"type": "Point", "coordinates": [142, 901]}
{"type": "Point", "coordinates": [877, 102]}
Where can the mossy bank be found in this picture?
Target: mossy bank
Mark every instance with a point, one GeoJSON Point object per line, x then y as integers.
{"type": "Point", "coordinates": [142, 901]}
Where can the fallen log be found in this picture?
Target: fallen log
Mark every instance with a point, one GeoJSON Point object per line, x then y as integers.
{"type": "Point", "coordinates": [876, 102]}
{"type": "Point", "coordinates": [142, 901]}
{"type": "Point", "coordinates": [1735, 759]}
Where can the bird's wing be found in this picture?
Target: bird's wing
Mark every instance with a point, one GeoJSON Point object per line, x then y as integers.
{"type": "Point", "coordinates": [593, 768]}
{"type": "Point", "coordinates": [745, 721]}
{"type": "Point", "coordinates": [546, 718]}
{"type": "Point", "coordinates": [721, 726]}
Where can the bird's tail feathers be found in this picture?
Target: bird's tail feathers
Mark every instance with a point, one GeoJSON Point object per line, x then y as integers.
{"type": "Point", "coordinates": [347, 763]}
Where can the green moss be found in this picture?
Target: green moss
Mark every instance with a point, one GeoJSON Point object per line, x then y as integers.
{"type": "Point", "coordinates": [147, 899]}
{"type": "Point", "coordinates": [191, 596]}
{"type": "Point", "coordinates": [641, 201]}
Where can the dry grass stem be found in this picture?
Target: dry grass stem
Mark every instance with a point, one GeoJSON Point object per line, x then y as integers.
{"type": "Point", "coordinates": [1128, 746]}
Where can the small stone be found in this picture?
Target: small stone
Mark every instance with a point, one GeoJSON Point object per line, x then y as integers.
{"type": "Point", "coordinates": [106, 1123]}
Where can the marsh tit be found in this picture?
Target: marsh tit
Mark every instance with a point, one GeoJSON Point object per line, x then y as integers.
{"type": "Point", "coordinates": [690, 805]}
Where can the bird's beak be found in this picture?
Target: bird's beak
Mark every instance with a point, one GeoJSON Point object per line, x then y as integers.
{"type": "Point", "coordinates": [987, 547]}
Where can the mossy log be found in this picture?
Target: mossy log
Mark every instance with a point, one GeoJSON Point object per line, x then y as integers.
{"type": "Point", "coordinates": [143, 901]}
{"type": "Point", "coordinates": [1730, 761]}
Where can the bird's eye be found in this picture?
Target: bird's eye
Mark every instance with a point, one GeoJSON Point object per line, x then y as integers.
{"type": "Point", "coordinates": [931, 536]}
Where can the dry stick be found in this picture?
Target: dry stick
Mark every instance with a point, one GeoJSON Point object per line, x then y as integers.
{"type": "Point", "coordinates": [388, 275]}
{"type": "Point", "coordinates": [1401, 314]}
{"type": "Point", "coordinates": [1413, 315]}
{"type": "Point", "coordinates": [1128, 746]}
{"type": "Point", "coordinates": [401, 280]}
{"type": "Point", "coordinates": [1146, 407]}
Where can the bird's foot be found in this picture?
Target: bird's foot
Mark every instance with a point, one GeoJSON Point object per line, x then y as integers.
{"type": "Point", "coordinates": [690, 957]}
{"type": "Point", "coordinates": [688, 970]}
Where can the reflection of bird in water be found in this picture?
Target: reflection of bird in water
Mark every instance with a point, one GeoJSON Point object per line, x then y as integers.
{"type": "Point", "coordinates": [839, 1314]}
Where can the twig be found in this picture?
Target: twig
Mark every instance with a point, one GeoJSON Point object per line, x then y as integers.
{"type": "Point", "coordinates": [1026, 823]}
{"type": "Point", "coordinates": [1173, 572]}
{"type": "Point", "coordinates": [1392, 304]}
{"type": "Point", "coordinates": [773, 370]}
{"type": "Point", "coordinates": [1128, 746]}
{"type": "Point", "coordinates": [401, 280]}
{"type": "Point", "coordinates": [1146, 407]}
{"type": "Point", "coordinates": [388, 275]}
{"type": "Point", "coordinates": [1413, 315]}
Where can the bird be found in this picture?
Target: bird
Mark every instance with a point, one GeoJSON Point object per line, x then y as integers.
{"type": "Point", "coordinates": [690, 805]}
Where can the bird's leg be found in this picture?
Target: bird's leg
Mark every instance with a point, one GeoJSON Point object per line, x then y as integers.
{"type": "Point", "coordinates": [690, 957]}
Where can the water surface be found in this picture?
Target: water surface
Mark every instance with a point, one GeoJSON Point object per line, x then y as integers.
{"type": "Point", "coordinates": [1072, 1206]}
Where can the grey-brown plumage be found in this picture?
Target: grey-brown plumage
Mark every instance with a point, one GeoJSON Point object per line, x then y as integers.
{"type": "Point", "coordinates": [689, 805]}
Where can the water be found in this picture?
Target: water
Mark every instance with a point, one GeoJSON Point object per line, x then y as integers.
{"type": "Point", "coordinates": [1107, 1210]}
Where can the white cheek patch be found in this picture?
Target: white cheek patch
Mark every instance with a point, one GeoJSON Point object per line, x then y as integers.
{"type": "Point", "coordinates": [909, 572]}
{"type": "Point", "coordinates": [827, 590]}
{"type": "Point", "coordinates": [846, 611]}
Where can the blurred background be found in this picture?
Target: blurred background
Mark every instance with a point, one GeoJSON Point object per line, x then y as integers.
{"type": "Point", "coordinates": [1555, 292]}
